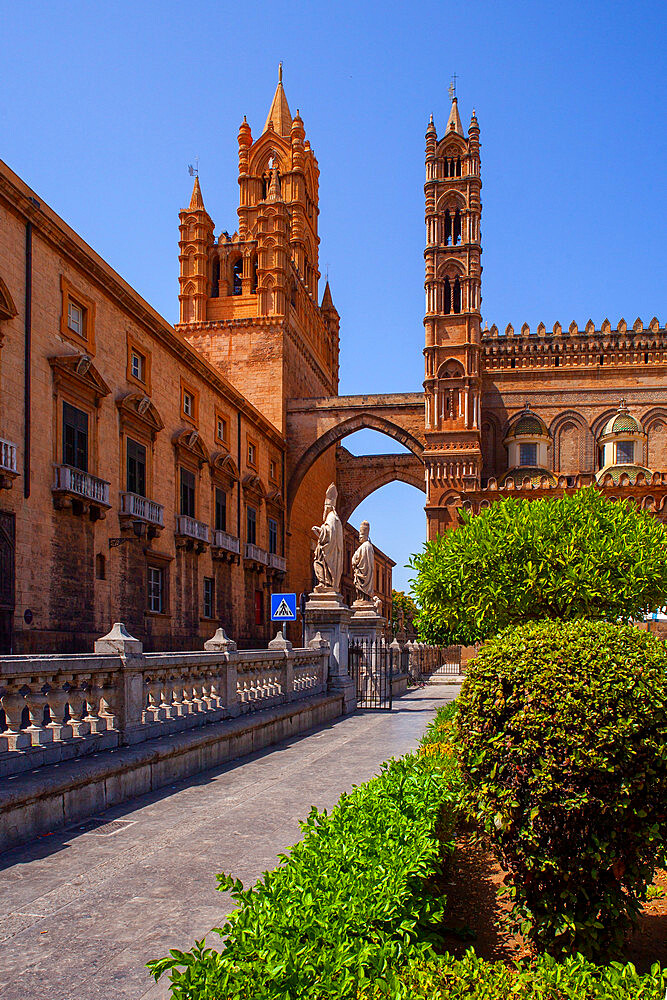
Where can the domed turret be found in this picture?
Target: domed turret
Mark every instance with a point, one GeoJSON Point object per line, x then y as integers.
{"type": "Point", "coordinates": [623, 446]}
{"type": "Point", "coordinates": [527, 443]}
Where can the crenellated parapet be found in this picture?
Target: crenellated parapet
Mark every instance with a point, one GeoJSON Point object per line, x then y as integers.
{"type": "Point", "coordinates": [572, 347]}
{"type": "Point", "coordinates": [648, 492]}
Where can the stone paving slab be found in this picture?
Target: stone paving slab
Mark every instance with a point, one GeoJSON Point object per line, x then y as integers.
{"type": "Point", "coordinates": [82, 912]}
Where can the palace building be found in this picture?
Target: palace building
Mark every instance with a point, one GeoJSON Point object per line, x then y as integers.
{"type": "Point", "coordinates": [169, 476]}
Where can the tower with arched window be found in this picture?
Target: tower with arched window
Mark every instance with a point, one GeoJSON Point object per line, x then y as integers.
{"type": "Point", "coordinates": [249, 300]}
{"type": "Point", "coordinates": [452, 321]}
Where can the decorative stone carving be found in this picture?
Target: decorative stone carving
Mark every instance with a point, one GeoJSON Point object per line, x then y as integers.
{"type": "Point", "coordinates": [363, 566]}
{"type": "Point", "coordinates": [328, 558]}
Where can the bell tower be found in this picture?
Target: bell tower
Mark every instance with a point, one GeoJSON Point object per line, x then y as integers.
{"type": "Point", "coordinates": [249, 299]}
{"type": "Point", "coordinates": [453, 321]}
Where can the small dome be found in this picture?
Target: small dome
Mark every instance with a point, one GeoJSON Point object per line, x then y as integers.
{"type": "Point", "coordinates": [622, 422]}
{"type": "Point", "coordinates": [528, 423]}
{"type": "Point", "coordinates": [625, 423]}
{"type": "Point", "coordinates": [534, 474]}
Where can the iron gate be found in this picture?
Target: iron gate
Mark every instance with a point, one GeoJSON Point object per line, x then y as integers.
{"type": "Point", "coordinates": [371, 670]}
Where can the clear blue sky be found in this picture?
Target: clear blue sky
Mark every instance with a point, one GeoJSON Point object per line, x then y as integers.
{"type": "Point", "coordinates": [102, 106]}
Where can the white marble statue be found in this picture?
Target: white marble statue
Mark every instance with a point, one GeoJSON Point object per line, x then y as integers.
{"type": "Point", "coordinates": [328, 559]}
{"type": "Point", "coordinates": [363, 565]}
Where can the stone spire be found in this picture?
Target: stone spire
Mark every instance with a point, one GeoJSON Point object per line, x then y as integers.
{"type": "Point", "coordinates": [279, 112]}
{"type": "Point", "coordinates": [454, 121]}
{"type": "Point", "coordinates": [196, 201]}
{"type": "Point", "coordinates": [327, 301]}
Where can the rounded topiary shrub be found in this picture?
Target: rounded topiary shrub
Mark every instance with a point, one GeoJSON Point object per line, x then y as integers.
{"type": "Point", "coordinates": [562, 741]}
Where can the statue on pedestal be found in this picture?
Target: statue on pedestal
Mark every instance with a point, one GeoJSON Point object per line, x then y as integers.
{"type": "Point", "coordinates": [328, 558]}
{"type": "Point", "coordinates": [363, 566]}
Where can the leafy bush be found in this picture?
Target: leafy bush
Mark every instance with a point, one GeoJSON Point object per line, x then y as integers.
{"type": "Point", "coordinates": [473, 978]}
{"type": "Point", "coordinates": [562, 741]}
{"type": "Point", "coordinates": [349, 903]}
{"type": "Point", "coordinates": [578, 556]}
{"type": "Point", "coordinates": [440, 728]}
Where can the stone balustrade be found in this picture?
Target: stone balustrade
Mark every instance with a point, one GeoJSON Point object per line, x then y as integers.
{"type": "Point", "coordinates": [57, 707]}
{"type": "Point", "coordinates": [69, 481]}
{"type": "Point", "coordinates": [8, 456]}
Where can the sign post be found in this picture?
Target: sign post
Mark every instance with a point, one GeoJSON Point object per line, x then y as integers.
{"type": "Point", "coordinates": [283, 609]}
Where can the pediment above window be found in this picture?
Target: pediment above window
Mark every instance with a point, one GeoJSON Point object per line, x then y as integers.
{"type": "Point", "coordinates": [79, 372]}
{"type": "Point", "coordinates": [275, 499]}
{"type": "Point", "coordinates": [137, 408]}
{"type": "Point", "coordinates": [253, 486]}
{"type": "Point", "coordinates": [189, 443]}
{"type": "Point", "coordinates": [225, 465]}
{"type": "Point", "coordinates": [7, 307]}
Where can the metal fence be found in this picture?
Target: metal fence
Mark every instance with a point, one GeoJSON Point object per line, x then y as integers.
{"type": "Point", "coordinates": [370, 665]}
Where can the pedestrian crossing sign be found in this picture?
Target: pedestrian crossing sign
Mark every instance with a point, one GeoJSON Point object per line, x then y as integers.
{"type": "Point", "coordinates": [283, 607]}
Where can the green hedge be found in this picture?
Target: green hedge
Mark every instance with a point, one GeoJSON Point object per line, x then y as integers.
{"type": "Point", "coordinates": [348, 905]}
{"type": "Point", "coordinates": [562, 741]}
{"type": "Point", "coordinates": [472, 978]}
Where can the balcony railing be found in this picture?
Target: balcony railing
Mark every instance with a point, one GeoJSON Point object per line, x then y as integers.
{"type": "Point", "coordinates": [223, 540]}
{"type": "Point", "coordinates": [81, 484]}
{"type": "Point", "coordinates": [190, 527]}
{"type": "Point", "coordinates": [255, 554]}
{"type": "Point", "coordinates": [277, 562]}
{"type": "Point", "coordinates": [8, 460]}
{"type": "Point", "coordinates": [141, 509]}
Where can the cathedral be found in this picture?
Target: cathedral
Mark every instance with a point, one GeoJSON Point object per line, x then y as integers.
{"type": "Point", "coordinates": [168, 476]}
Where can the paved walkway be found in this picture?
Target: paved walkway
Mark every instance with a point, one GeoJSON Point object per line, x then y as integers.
{"type": "Point", "coordinates": [82, 912]}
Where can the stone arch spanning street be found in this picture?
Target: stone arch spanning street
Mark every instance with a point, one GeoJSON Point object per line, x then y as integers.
{"type": "Point", "coordinates": [315, 425]}
{"type": "Point", "coordinates": [357, 476]}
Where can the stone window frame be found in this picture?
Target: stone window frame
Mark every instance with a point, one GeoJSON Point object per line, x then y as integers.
{"type": "Point", "coordinates": [188, 387]}
{"type": "Point", "coordinates": [156, 560]}
{"type": "Point", "coordinates": [251, 443]}
{"type": "Point", "coordinates": [134, 345]}
{"type": "Point", "coordinates": [224, 441]}
{"type": "Point", "coordinates": [139, 420]}
{"type": "Point", "coordinates": [224, 476]}
{"type": "Point", "coordinates": [275, 476]}
{"type": "Point", "coordinates": [212, 616]}
{"type": "Point", "coordinates": [190, 453]}
{"type": "Point", "coordinates": [70, 294]}
{"type": "Point", "coordinates": [76, 381]}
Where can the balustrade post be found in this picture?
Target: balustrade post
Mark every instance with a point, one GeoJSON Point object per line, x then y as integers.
{"type": "Point", "coordinates": [221, 643]}
{"type": "Point", "coordinates": [395, 648]}
{"type": "Point", "coordinates": [324, 648]}
{"type": "Point", "coordinates": [13, 703]}
{"type": "Point", "coordinates": [39, 734]}
{"type": "Point", "coordinates": [57, 699]}
{"type": "Point", "coordinates": [287, 670]}
{"type": "Point", "coordinates": [119, 642]}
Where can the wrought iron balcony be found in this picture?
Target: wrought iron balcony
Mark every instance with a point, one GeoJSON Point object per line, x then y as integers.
{"type": "Point", "coordinates": [190, 527]}
{"type": "Point", "coordinates": [139, 508]}
{"type": "Point", "coordinates": [73, 484]}
{"type": "Point", "coordinates": [8, 464]}
{"type": "Point", "coordinates": [253, 553]}
{"type": "Point", "coordinates": [277, 562]}
{"type": "Point", "coordinates": [228, 543]}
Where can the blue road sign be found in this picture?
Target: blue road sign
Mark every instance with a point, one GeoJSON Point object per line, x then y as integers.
{"type": "Point", "coordinates": [283, 607]}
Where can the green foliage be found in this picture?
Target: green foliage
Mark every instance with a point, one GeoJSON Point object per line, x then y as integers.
{"type": "Point", "coordinates": [562, 741]}
{"type": "Point", "coordinates": [578, 556]}
{"type": "Point", "coordinates": [472, 978]}
{"type": "Point", "coordinates": [401, 603]}
{"type": "Point", "coordinates": [347, 906]}
{"type": "Point", "coordinates": [440, 728]}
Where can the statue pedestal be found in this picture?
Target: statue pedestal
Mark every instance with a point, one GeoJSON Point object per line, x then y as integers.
{"type": "Point", "coordinates": [326, 614]}
{"type": "Point", "coordinates": [366, 625]}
